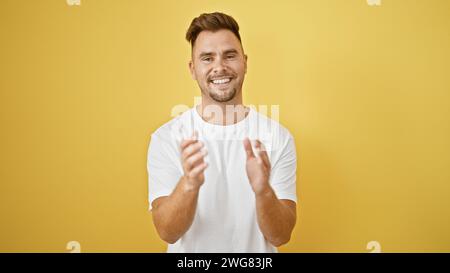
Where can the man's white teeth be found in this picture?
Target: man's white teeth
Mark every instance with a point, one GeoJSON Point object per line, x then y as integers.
{"type": "Point", "coordinates": [221, 81]}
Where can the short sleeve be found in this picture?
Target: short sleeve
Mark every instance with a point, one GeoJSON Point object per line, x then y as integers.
{"type": "Point", "coordinates": [163, 167]}
{"type": "Point", "coordinates": [283, 174]}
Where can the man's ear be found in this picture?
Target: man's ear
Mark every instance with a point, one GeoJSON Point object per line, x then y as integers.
{"type": "Point", "coordinates": [192, 70]}
{"type": "Point", "coordinates": [245, 63]}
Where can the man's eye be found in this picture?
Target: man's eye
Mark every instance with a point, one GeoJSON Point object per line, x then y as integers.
{"type": "Point", "coordinates": [231, 56]}
{"type": "Point", "coordinates": [206, 59]}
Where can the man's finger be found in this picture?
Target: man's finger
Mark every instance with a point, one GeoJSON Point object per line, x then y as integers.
{"type": "Point", "coordinates": [198, 169]}
{"type": "Point", "coordinates": [262, 153]}
{"type": "Point", "coordinates": [188, 141]}
{"type": "Point", "coordinates": [191, 149]}
{"type": "Point", "coordinates": [195, 159]}
{"type": "Point", "coordinates": [248, 148]}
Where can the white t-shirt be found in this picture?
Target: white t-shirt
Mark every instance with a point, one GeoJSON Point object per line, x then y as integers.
{"type": "Point", "coordinates": [225, 218]}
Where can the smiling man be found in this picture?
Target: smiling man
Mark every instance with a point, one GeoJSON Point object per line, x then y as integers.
{"type": "Point", "coordinates": [222, 177]}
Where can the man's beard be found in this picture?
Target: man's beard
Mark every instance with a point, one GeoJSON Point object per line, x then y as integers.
{"type": "Point", "coordinates": [222, 96]}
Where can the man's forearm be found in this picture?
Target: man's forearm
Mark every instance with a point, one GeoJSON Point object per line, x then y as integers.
{"type": "Point", "coordinates": [175, 214]}
{"type": "Point", "coordinates": [275, 219]}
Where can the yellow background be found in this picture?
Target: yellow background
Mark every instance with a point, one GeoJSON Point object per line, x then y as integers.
{"type": "Point", "coordinates": [364, 90]}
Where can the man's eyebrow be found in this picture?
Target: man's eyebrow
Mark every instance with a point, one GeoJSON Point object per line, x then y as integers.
{"type": "Point", "coordinates": [207, 54]}
{"type": "Point", "coordinates": [230, 51]}
{"type": "Point", "coordinates": [203, 54]}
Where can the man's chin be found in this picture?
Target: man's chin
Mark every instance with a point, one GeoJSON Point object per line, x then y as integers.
{"type": "Point", "coordinates": [222, 95]}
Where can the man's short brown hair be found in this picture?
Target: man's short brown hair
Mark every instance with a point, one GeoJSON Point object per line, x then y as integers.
{"type": "Point", "coordinates": [213, 22]}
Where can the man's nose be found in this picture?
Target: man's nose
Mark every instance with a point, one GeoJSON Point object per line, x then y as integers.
{"type": "Point", "coordinates": [220, 65]}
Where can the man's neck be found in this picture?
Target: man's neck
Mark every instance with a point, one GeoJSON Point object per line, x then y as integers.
{"type": "Point", "coordinates": [226, 113]}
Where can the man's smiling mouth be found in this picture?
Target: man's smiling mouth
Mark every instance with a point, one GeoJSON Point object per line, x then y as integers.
{"type": "Point", "coordinates": [221, 81]}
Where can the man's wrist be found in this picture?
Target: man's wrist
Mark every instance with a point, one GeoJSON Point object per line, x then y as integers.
{"type": "Point", "coordinates": [187, 186]}
{"type": "Point", "coordinates": [264, 192]}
